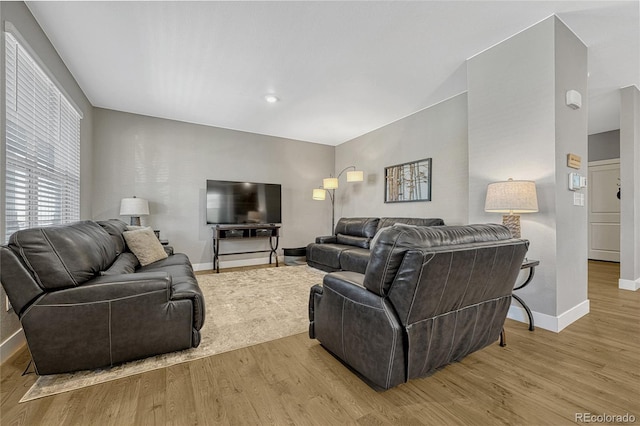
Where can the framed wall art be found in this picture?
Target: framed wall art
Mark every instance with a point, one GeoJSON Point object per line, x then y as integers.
{"type": "Point", "coordinates": [408, 182]}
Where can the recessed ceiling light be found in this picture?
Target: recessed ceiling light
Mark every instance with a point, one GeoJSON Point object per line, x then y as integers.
{"type": "Point", "coordinates": [272, 99]}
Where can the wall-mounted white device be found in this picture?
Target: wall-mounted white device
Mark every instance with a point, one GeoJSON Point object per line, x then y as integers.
{"type": "Point", "coordinates": [577, 182]}
{"type": "Point", "coordinates": [574, 181]}
{"type": "Point", "coordinates": [574, 99]}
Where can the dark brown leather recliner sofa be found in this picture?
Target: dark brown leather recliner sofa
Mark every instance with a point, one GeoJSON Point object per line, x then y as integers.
{"type": "Point", "coordinates": [429, 297]}
{"type": "Point", "coordinates": [348, 248]}
{"type": "Point", "coordinates": [84, 302]}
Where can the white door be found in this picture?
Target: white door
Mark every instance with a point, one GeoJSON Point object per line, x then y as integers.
{"type": "Point", "coordinates": [604, 210]}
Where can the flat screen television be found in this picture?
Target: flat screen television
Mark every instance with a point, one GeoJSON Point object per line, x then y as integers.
{"type": "Point", "coordinates": [232, 203]}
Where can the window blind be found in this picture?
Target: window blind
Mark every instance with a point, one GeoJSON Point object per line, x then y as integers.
{"type": "Point", "coordinates": [42, 182]}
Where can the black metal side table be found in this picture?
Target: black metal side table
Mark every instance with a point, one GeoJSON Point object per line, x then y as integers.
{"type": "Point", "coordinates": [531, 266]}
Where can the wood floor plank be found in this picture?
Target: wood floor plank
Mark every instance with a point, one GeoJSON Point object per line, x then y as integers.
{"type": "Point", "coordinates": [151, 403]}
{"type": "Point", "coordinates": [539, 378]}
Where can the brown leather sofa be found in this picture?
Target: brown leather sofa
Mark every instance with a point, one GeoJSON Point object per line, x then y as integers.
{"type": "Point", "coordinates": [84, 302]}
{"type": "Point", "coordinates": [429, 297]}
{"type": "Point", "coordinates": [348, 248]}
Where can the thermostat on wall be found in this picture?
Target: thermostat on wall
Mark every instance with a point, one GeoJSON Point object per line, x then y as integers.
{"type": "Point", "coordinates": [574, 181]}
{"type": "Point", "coordinates": [577, 182]}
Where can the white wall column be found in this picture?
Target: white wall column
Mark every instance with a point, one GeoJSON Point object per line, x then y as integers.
{"type": "Point", "coordinates": [520, 128]}
{"type": "Point", "coordinates": [630, 188]}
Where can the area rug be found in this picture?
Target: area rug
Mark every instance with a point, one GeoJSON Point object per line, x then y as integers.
{"type": "Point", "coordinates": [242, 309]}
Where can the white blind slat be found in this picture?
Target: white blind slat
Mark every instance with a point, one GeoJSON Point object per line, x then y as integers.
{"type": "Point", "coordinates": [42, 182]}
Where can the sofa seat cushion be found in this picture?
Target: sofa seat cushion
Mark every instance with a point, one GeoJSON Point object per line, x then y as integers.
{"type": "Point", "coordinates": [355, 260]}
{"type": "Point", "coordinates": [126, 263]}
{"type": "Point", "coordinates": [176, 265]}
{"type": "Point", "coordinates": [350, 277]}
{"type": "Point", "coordinates": [174, 259]}
{"type": "Point", "coordinates": [326, 254]}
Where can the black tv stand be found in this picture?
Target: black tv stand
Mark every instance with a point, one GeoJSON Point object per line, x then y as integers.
{"type": "Point", "coordinates": [242, 232]}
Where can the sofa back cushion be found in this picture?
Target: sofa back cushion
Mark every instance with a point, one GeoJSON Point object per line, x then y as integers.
{"type": "Point", "coordinates": [125, 263]}
{"type": "Point", "coordinates": [357, 226]}
{"type": "Point", "coordinates": [418, 221]}
{"type": "Point", "coordinates": [394, 242]}
{"type": "Point", "coordinates": [351, 240]}
{"type": "Point", "coordinates": [66, 255]}
{"type": "Point", "coordinates": [450, 279]}
{"type": "Point", "coordinates": [115, 228]}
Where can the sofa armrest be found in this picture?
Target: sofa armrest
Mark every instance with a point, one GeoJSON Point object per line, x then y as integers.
{"type": "Point", "coordinates": [327, 239]}
{"type": "Point", "coordinates": [110, 287]}
{"type": "Point", "coordinates": [359, 327]}
{"type": "Point", "coordinates": [316, 291]}
{"type": "Point", "coordinates": [190, 291]}
{"type": "Point", "coordinates": [109, 320]}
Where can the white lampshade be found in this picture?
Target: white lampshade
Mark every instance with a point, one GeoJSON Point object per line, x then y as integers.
{"type": "Point", "coordinates": [330, 183]}
{"type": "Point", "coordinates": [355, 176]}
{"type": "Point", "coordinates": [319, 194]}
{"type": "Point", "coordinates": [134, 207]}
{"type": "Point", "coordinates": [512, 196]}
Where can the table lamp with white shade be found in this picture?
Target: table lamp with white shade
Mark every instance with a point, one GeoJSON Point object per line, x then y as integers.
{"type": "Point", "coordinates": [512, 197]}
{"type": "Point", "coordinates": [134, 207]}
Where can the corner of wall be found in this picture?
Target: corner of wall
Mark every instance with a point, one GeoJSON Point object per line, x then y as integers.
{"type": "Point", "coordinates": [11, 345]}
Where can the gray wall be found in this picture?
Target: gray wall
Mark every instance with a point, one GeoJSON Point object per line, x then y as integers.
{"type": "Point", "coordinates": [520, 128]}
{"type": "Point", "coordinates": [604, 146]}
{"type": "Point", "coordinates": [19, 16]}
{"type": "Point", "coordinates": [438, 132]}
{"type": "Point", "coordinates": [168, 162]}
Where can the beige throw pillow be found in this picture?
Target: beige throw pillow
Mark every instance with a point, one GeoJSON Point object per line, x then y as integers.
{"type": "Point", "coordinates": [145, 245]}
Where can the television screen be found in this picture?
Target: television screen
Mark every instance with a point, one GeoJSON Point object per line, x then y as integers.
{"type": "Point", "coordinates": [243, 202]}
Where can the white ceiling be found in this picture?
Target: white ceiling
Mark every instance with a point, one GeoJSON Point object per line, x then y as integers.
{"type": "Point", "coordinates": [341, 68]}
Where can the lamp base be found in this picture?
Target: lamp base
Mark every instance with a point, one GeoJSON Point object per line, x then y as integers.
{"type": "Point", "coordinates": [512, 221]}
{"type": "Point", "coordinates": [135, 221]}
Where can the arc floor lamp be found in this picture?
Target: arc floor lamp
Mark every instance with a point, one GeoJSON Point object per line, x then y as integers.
{"type": "Point", "coordinates": [330, 184]}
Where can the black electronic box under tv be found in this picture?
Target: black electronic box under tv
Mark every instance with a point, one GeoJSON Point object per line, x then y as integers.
{"type": "Point", "coordinates": [233, 203]}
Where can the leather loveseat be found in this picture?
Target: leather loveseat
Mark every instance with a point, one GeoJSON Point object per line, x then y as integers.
{"type": "Point", "coordinates": [84, 302]}
{"type": "Point", "coordinates": [429, 297]}
{"type": "Point", "coordinates": [348, 248]}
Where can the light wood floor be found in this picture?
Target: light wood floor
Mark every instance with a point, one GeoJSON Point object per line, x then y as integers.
{"type": "Point", "coordinates": [540, 378]}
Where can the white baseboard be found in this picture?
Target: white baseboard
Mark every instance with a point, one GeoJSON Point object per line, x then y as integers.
{"type": "Point", "coordinates": [202, 266]}
{"type": "Point", "coordinates": [574, 314]}
{"type": "Point", "coordinates": [629, 284]}
{"type": "Point", "coordinates": [235, 263]}
{"type": "Point", "coordinates": [549, 322]}
{"type": "Point", "coordinates": [11, 345]}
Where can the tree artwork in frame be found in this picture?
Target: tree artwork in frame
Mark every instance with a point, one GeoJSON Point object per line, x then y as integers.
{"type": "Point", "coordinates": [408, 182]}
